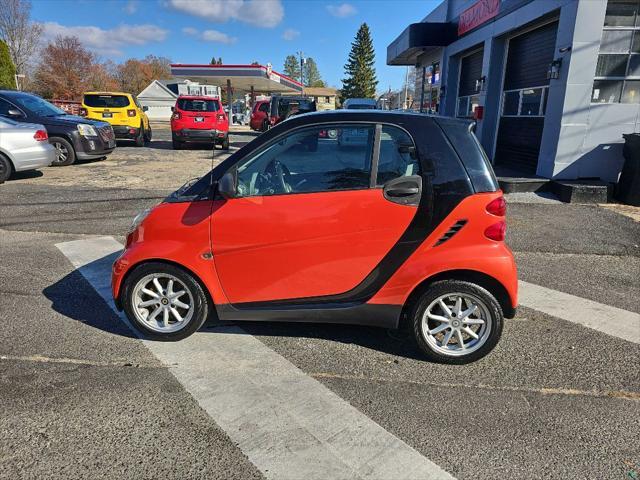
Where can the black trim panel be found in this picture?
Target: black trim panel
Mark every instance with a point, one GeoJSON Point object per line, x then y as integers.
{"type": "Point", "coordinates": [385, 316]}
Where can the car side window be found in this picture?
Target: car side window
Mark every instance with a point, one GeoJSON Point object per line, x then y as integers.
{"type": "Point", "coordinates": [314, 159]}
{"type": "Point", "coordinates": [398, 156]}
{"type": "Point", "coordinates": [5, 107]}
{"type": "Point", "coordinates": [264, 107]}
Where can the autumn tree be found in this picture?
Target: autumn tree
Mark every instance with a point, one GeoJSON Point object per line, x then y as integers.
{"type": "Point", "coordinates": [360, 80]}
{"type": "Point", "coordinates": [134, 75]}
{"type": "Point", "coordinates": [65, 70]}
{"type": "Point", "coordinates": [21, 35]}
{"type": "Point", "coordinates": [7, 69]}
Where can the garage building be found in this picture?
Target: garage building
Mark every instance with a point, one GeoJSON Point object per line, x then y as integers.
{"type": "Point", "coordinates": [553, 84]}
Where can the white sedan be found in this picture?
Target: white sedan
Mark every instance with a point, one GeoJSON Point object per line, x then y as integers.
{"type": "Point", "coordinates": [23, 146]}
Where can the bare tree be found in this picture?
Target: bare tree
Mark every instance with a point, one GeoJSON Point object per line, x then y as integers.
{"type": "Point", "coordinates": [21, 35]}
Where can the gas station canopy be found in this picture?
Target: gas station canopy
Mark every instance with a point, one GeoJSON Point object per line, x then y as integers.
{"type": "Point", "coordinates": [241, 78]}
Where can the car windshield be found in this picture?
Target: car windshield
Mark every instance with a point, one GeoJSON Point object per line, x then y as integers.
{"type": "Point", "coordinates": [38, 106]}
{"type": "Point", "coordinates": [193, 105]}
{"type": "Point", "coordinates": [106, 101]}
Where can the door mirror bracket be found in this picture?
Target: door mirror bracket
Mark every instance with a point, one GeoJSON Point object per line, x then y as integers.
{"type": "Point", "coordinates": [227, 185]}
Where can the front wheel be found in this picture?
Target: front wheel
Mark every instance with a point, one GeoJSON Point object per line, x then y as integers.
{"type": "Point", "coordinates": [456, 322]}
{"type": "Point", "coordinates": [5, 168]}
{"type": "Point", "coordinates": [164, 302]}
{"type": "Point", "coordinates": [65, 154]}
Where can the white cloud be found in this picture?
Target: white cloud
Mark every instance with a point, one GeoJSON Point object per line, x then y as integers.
{"type": "Point", "coordinates": [342, 10]}
{"type": "Point", "coordinates": [210, 35]}
{"type": "Point", "coordinates": [131, 7]}
{"type": "Point", "coordinates": [262, 13]}
{"type": "Point", "coordinates": [290, 34]}
{"type": "Point", "coordinates": [106, 42]}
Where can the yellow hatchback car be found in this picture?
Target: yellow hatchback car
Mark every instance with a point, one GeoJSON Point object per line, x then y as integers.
{"type": "Point", "coordinates": [122, 111]}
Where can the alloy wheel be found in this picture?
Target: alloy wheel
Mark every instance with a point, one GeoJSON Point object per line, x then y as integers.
{"type": "Point", "coordinates": [62, 152]}
{"type": "Point", "coordinates": [163, 303]}
{"type": "Point", "coordinates": [456, 324]}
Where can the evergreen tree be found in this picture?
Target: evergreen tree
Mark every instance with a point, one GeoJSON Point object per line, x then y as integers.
{"type": "Point", "coordinates": [7, 69]}
{"type": "Point", "coordinates": [312, 76]}
{"type": "Point", "coordinates": [292, 67]}
{"type": "Point", "coordinates": [216, 62]}
{"type": "Point", "coordinates": [360, 81]}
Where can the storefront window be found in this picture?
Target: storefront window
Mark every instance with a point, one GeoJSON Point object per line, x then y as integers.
{"type": "Point", "coordinates": [527, 102]}
{"type": "Point", "coordinates": [619, 59]}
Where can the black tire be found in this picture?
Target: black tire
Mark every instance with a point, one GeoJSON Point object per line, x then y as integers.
{"type": "Point", "coordinates": [265, 125]}
{"type": "Point", "coordinates": [225, 143]}
{"type": "Point", "coordinates": [490, 337]}
{"type": "Point", "coordinates": [140, 139]}
{"type": "Point", "coordinates": [177, 145]}
{"type": "Point", "coordinates": [202, 306]}
{"type": "Point", "coordinates": [148, 135]}
{"type": "Point", "coordinates": [6, 169]}
{"type": "Point", "coordinates": [65, 154]}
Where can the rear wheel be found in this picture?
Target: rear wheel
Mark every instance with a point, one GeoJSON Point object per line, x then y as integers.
{"type": "Point", "coordinates": [265, 125]}
{"type": "Point", "coordinates": [148, 135]}
{"type": "Point", "coordinates": [141, 137]}
{"type": "Point", "coordinates": [6, 169]}
{"type": "Point", "coordinates": [456, 322]}
{"type": "Point", "coordinates": [65, 154]}
{"type": "Point", "coordinates": [225, 143]}
{"type": "Point", "coordinates": [164, 301]}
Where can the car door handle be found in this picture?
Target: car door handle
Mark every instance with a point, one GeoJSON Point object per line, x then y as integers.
{"type": "Point", "coordinates": [402, 191]}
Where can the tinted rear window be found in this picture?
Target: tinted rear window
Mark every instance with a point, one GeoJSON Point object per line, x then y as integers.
{"type": "Point", "coordinates": [472, 155]}
{"type": "Point", "coordinates": [106, 101]}
{"type": "Point", "coordinates": [191, 105]}
{"type": "Point", "coordinates": [360, 106]}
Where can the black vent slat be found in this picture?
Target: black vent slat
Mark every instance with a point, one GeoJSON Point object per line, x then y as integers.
{"type": "Point", "coordinates": [455, 228]}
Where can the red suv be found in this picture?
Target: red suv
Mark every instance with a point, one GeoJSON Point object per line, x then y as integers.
{"type": "Point", "coordinates": [403, 230]}
{"type": "Point", "coordinates": [198, 119]}
{"type": "Point", "coordinates": [259, 120]}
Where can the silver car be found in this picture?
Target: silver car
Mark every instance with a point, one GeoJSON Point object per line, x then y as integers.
{"type": "Point", "coordinates": [23, 146]}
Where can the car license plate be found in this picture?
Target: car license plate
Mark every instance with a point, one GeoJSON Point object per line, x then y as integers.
{"type": "Point", "coordinates": [107, 114]}
{"type": "Point", "coordinates": [199, 119]}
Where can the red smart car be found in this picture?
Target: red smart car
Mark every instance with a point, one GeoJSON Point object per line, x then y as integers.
{"type": "Point", "coordinates": [403, 230]}
{"type": "Point", "coordinates": [199, 119]}
{"type": "Point", "coordinates": [259, 120]}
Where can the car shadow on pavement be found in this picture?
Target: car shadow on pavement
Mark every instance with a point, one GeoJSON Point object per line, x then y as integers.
{"type": "Point", "coordinates": [74, 297]}
{"type": "Point", "coordinates": [25, 175]}
{"type": "Point", "coordinates": [393, 342]}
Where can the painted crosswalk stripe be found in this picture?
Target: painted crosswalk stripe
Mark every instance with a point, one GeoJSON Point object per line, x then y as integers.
{"type": "Point", "coordinates": [603, 318]}
{"type": "Point", "coordinates": [288, 424]}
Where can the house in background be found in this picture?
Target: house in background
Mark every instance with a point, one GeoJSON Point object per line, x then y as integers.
{"type": "Point", "coordinates": [325, 97]}
{"type": "Point", "coordinates": [160, 95]}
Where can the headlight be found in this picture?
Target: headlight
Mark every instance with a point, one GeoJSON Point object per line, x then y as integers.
{"type": "Point", "coordinates": [87, 130]}
{"type": "Point", "coordinates": [139, 218]}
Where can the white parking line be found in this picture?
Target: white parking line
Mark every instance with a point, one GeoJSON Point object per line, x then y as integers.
{"type": "Point", "coordinates": [610, 320]}
{"type": "Point", "coordinates": [287, 423]}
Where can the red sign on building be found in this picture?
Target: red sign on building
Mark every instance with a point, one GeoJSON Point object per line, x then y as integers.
{"type": "Point", "coordinates": [477, 14]}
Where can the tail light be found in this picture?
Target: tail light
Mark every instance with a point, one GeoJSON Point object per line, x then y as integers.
{"type": "Point", "coordinates": [221, 117]}
{"type": "Point", "coordinates": [83, 112]}
{"type": "Point", "coordinates": [176, 116]}
{"type": "Point", "coordinates": [131, 113]}
{"type": "Point", "coordinates": [496, 231]}
{"type": "Point", "coordinates": [41, 136]}
{"type": "Point", "coordinates": [497, 207]}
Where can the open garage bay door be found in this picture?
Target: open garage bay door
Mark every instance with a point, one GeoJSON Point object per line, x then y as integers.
{"type": "Point", "coordinates": [524, 98]}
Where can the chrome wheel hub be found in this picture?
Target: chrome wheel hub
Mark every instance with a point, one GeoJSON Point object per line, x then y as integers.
{"type": "Point", "coordinates": [162, 303]}
{"type": "Point", "coordinates": [456, 324]}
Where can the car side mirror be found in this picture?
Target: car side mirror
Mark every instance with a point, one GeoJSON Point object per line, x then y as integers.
{"type": "Point", "coordinates": [173, 109]}
{"type": "Point", "coordinates": [145, 108]}
{"type": "Point", "coordinates": [227, 185]}
{"type": "Point", "coordinates": [14, 113]}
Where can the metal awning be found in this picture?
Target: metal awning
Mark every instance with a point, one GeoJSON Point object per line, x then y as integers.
{"type": "Point", "coordinates": [243, 78]}
{"type": "Point", "coordinates": [418, 38]}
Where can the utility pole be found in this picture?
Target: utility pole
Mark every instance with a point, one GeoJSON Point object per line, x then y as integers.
{"type": "Point", "coordinates": [302, 63]}
{"type": "Point", "coordinates": [406, 89]}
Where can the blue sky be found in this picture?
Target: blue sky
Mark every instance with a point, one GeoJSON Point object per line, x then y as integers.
{"type": "Point", "coordinates": [239, 31]}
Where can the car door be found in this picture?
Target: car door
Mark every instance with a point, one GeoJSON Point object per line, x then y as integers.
{"type": "Point", "coordinates": [310, 221]}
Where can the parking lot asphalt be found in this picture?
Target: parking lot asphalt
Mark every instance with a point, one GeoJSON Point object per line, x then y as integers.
{"type": "Point", "coordinates": [81, 396]}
